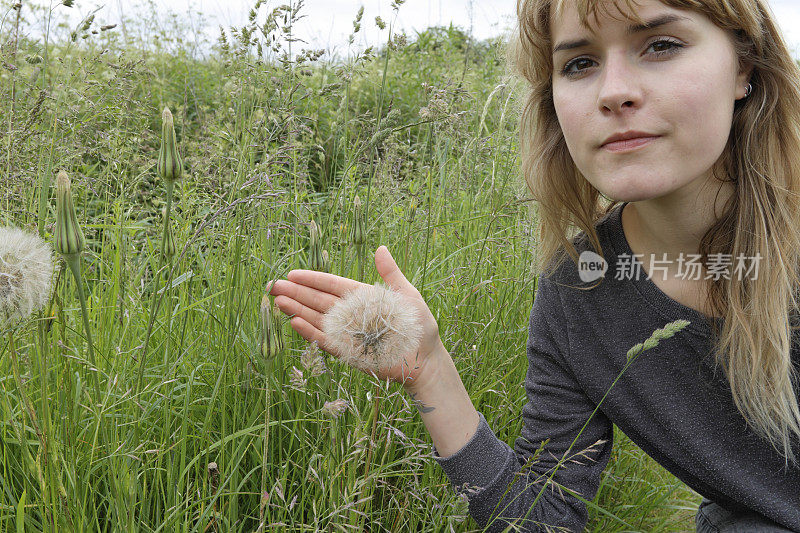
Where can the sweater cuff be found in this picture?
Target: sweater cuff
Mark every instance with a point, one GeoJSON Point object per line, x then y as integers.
{"type": "Point", "coordinates": [478, 462]}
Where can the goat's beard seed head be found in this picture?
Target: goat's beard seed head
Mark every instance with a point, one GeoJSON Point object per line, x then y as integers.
{"type": "Point", "coordinates": [26, 272]}
{"type": "Point", "coordinates": [373, 327]}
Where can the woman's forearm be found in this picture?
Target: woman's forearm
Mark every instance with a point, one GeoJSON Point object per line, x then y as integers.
{"type": "Point", "coordinates": [445, 406]}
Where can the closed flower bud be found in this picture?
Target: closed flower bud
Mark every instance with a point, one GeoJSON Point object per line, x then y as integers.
{"type": "Point", "coordinates": [357, 235]}
{"type": "Point", "coordinates": [169, 161]}
{"type": "Point", "coordinates": [270, 338]}
{"type": "Point", "coordinates": [69, 237]}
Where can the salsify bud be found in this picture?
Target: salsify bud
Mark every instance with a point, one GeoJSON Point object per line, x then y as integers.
{"type": "Point", "coordinates": [315, 261]}
{"type": "Point", "coordinates": [412, 209]}
{"type": "Point", "coordinates": [169, 161]}
{"type": "Point", "coordinates": [326, 262]}
{"type": "Point", "coordinates": [69, 237]}
{"type": "Point", "coordinates": [169, 242]}
{"type": "Point", "coordinates": [270, 338]}
{"type": "Point", "coordinates": [357, 235]}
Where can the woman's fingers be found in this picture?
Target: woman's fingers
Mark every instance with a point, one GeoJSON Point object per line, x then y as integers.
{"type": "Point", "coordinates": [322, 281]}
{"type": "Point", "coordinates": [295, 308]}
{"type": "Point", "coordinates": [310, 333]}
{"type": "Point", "coordinates": [313, 299]}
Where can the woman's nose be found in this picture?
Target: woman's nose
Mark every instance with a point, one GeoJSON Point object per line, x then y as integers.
{"type": "Point", "coordinates": [620, 85]}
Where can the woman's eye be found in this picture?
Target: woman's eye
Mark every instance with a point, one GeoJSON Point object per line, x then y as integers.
{"type": "Point", "coordinates": [661, 47]}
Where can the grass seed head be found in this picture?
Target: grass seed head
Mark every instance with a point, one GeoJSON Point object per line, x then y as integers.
{"type": "Point", "coordinates": [312, 360]}
{"type": "Point", "coordinates": [296, 379]}
{"type": "Point", "coordinates": [335, 408]}
{"type": "Point", "coordinates": [373, 327]}
{"type": "Point", "coordinates": [26, 273]}
{"type": "Point", "coordinates": [69, 236]}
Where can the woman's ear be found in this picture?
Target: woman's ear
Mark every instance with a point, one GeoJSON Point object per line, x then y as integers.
{"type": "Point", "coordinates": [744, 76]}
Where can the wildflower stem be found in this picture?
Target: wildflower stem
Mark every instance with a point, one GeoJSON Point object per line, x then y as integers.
{"type": "Point", "coordinates": [265, 457]}
{"type": "Point", "coordinates": [21, 387]}
{"type": "Point", "coordinates": [360, 256]}
{"type": "Point", "coordinates": [74, 263]}
{"type": "Point", "coordinates": [375, 409]}
{"type": "Point", "coordinates": [153, 302]}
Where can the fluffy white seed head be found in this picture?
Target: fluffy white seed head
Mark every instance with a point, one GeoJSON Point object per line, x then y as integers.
{"type": "Point", "coordinates": [26, 274]}
{"type": "Point", "coordinates": [373, 327]}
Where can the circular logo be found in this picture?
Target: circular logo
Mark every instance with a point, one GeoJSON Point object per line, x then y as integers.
{"type": "Point", "coordinates": [591, 266]}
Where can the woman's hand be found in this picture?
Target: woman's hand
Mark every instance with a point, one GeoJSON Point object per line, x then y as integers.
{"type": "Point", "coordinates": [308, 294]}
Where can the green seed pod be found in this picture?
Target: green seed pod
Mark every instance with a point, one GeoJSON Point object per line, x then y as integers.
{"type": "Point", "coordinates": [357, 235]}
{"type": "Point", "coordinates": [315, 261]}
{"type": "Point", "coordinates": [170, 166]}
{"type": "Point", "coordinates": [69, 237]}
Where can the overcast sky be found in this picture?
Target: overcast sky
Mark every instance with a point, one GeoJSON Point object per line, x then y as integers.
{"type": "Point", "coordinates": [327, 23]}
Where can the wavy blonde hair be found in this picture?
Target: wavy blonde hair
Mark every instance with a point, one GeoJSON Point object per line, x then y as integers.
{"type": "Point", "coordinates": [762, 159]}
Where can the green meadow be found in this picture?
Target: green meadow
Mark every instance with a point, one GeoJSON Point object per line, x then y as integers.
{"type": "Point", "coordinates": [159, 413]}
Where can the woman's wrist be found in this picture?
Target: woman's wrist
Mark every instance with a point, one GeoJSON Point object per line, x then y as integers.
{"type": "Point", "coordinates": [435, 362]}
{"type": "Point", "coordinates": [444, 405]}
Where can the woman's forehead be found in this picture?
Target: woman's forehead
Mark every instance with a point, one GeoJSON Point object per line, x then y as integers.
{"type": "Point", "coordinates": [590, 13]}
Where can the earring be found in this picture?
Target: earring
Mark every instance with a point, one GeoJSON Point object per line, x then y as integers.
{"type": "Point", "coordinates": [748, 90]}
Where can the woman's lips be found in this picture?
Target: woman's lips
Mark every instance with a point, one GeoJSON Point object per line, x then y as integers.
{"type": "Point", "coordinates": [628, 144]}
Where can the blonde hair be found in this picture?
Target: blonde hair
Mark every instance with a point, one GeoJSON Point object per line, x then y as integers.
{"type": "Point", "coordinates": [762, 159]}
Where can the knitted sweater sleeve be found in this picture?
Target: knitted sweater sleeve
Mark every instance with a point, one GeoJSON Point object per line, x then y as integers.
{"type": "Point", "coordinates": [525, 485]}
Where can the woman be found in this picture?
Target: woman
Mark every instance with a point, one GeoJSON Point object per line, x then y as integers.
{"type": "Point", "coordinates": [685, 114]}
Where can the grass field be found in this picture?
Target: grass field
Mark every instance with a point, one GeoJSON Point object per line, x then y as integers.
{"type": "Point", "coordinates": [188, 429]}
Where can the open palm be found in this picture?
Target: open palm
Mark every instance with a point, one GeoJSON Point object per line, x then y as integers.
{"type": "Point", "coordinates": [307, 295]}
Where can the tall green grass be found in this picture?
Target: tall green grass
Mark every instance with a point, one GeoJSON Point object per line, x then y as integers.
{"type": "Point", "coordinates": [422, 128]}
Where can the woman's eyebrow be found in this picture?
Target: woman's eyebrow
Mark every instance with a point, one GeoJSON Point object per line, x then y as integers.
{"type": "Point", "coordinates": [636, 28]}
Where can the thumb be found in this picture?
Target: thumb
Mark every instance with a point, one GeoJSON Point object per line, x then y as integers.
{"type": "Point", "coordinates": [390, 272]}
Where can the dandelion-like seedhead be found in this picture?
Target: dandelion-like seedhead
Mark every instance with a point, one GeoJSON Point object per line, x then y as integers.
{"type": "Point", "coordinates": [26, 273]}
{"type": "Point", "coordinates": [373, 327]}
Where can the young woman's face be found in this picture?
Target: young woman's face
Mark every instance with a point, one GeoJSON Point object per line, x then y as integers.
{"type": "Point", "coordinates": [682, 92]}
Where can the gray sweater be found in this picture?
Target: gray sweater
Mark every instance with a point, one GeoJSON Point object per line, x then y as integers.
{"type": "Point", "coordinates": [670, 402]}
